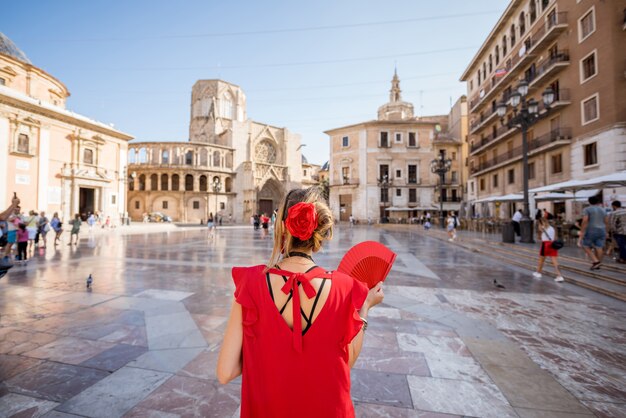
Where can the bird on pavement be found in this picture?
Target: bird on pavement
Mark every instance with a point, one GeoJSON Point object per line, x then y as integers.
{"type": "Point", "coordinates": [89, 281]}
{"type": "Point", "coordinates": [498, 285]}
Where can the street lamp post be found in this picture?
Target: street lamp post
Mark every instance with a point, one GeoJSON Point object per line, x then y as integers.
{"type": "Point", "coordinates": [217, 187]}
{"type": "Point", "coordinates": [441, 165]}
{"type": "Point", "coordinates": [384, 182]}
{"type": "Point", "coordinates": [525, 114]}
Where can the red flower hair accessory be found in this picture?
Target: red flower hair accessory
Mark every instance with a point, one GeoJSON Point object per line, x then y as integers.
{"type": "Point", "coordinates": [301, 220]}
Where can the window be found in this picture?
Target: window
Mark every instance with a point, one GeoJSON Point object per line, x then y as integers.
{"type": "Point", "coordinates": [165, 157]}
{"type": "Point", "coordinates": [453, 155]}
{"type": "Point", "coordinates": [2, 81]}
{"type": "Point", "coordinates": [512, 36]}
{"type": "Point", "coordinates": [472, 187]}
{"type": "Point", "coordinates": [136, 204]}
{"type": "Point", "coordinates": [454, 177]}
{"type": "Point", "coordinates": [522, 24]}
{"type": "Point", "coordinates": [164, 181]}
{"type": "Point", "coordinates": [398, 174]}
{"type": "Point", "coordinates": [412, 196]}
{"type": "Point", "coordinates": [412, 173]}
{"type": "Point", "coordinates": [557, 163]}
{"type": "Point", "coordinates": [23, 143]}
{"type": "Point", "coordinates": [88, 156]}
{"type": "Point", "coordinates": [154, 182]}
{"type": "Point", "coordinates": [398, 137]}
{"type": "Point", "coordinates": [482, 184]}
{"type": "Point", "coordinates": [384, 139]}
{"type": "Point", "coordinates": [267, 154]}
{"type": "Point", "coordinates": [490, 64]}
{"type": "Point", "coordinates": [398, 192]}
{"type": "Point", "coordinates": [189, 158]}
{"type": "Point", "coordinates": [504, 46]}
{"type": "Point", "coordinates": [588, 67]}
{"type": "Point", "coordinates": [383, 171]}
{"type": "Point", "coordinates": [345, 174]}
{"type": "Point", "coordinates": [175, 182]}
{"type": "Point", "coordinates": [532, 11]}
{"type": "Point", "coordinates": [189, 183]}
{"type": "Point", "coordinates": [384, 194]}
{"type": "Point", "coordinates": [497, 54]}
{"type": "Point", "coordinates": [586, 25]}
{"type": "Point", "coordinates": [164, 205]}
{"type": "Point", "coordinates": [544, 5]}
{"type": "Point", "coordinates": [589, 110]}
{"type": "Point", "coordinates": [412, 139]}
{"type": "Point", "coordinates": [203, 184]}
{"type": "Point", "coordinates": [591, 154]}
{"type": "Point", "coordinates": [531, 171]}
{"type": "Point", "coordinates": [511, 175]}
{"type": "Point", "coordinates": [345, 141]}
{"type": "Point", "coordinates": [113, 199]}
{"type": "Point", "coordinates": [495, 180]}
{"type": "Point", "coordinates": [304, 174]}
{"type": "Point", "coordinates": [196, 204]}
{"type": "Point", "coordinates": [222, 206]}
{"type": "Point", "coordinates": [142, 182]}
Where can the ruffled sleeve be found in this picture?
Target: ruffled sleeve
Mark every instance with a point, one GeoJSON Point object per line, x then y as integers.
{"type": "Point", "coordinates": [358, 295]}
{"type": "Point", "coordinates": [244, 298]}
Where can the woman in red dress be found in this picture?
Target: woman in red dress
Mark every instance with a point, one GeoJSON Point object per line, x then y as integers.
{"type": "Point", "coordinates": [295, 329]}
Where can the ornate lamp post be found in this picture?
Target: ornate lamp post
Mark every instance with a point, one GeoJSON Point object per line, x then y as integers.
{"type": "Point", "coordinates": [525, 114]}
{"type": "Point", "coordinates": [441, 165]}
{"type": "Point", "coordinates": [384, 183]}
{"type": "Point", "coordinates": [217, 187]}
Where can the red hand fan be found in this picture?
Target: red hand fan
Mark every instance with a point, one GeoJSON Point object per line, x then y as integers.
{"type": "Point", "coordinates": [368, 262]}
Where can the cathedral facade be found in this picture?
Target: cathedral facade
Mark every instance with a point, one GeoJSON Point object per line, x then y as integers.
{"type": "Point", "coordinates": [231, 166]}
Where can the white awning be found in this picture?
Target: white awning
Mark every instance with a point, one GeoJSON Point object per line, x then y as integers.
{"type": "Point", "coordinates": [579, 196]}
{"type": "Point", "coordinates": [506, 198]}
{"type": "Point", "coordinates": [610, 180]}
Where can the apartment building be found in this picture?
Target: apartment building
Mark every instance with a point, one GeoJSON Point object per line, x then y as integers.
{"type": "Point", "coordinates": [575, 47]}
{"type": "Point", "coordinates": [380, 169]}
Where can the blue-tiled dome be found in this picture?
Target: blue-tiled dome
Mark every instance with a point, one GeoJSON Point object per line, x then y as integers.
{"type": "Point", "coordinates": [326, 166]}
{"type": "Point", "coordinates": [304, 160]}
{"type": "Point", "coordinates": [7, 47]}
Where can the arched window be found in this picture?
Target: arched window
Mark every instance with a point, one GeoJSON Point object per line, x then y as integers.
{"type": "Point", "coordinates": [143, 156]}
{"type": "Point", "coordinates": [512, 35]}
{"type": "Point", "coordinates": [228, 184]}
{"type": "Point", "coordinates": [175, 182]}
{"type": "Point", "coordinates": [203, 184]}
{"type": "Point", "coordinates": [142, 182]}
{"type": "Point", "coordinates": [490, 64]}
{"type": "Point", "coordinates": [265, 152]}
{"type": "Point", "coordinates": [154, 182]}
{"type": "Point", "coordinates": [216, 179]}
{"type": "Point", "coordinates": [164, 182]}
{"type": "Point", "coordinates": [216, 159]}
{"type": "Point", "coordinates": [131, 183]}
{"type": "Point", "coordinates": [227, 110]}
{"type": "Point", "coordinates": [497, 53]}
{"type": "Point", "coordinates": [165, 157]}
{"type": "Point", "coordinates": [532, 9]}
{"type": "Point", "coordinates": [204, 157]}
{"type": "Point", "coordinates": [189, 157]}
{"type": "Point", "coordinates": [132, 156]}
{"type": "Point", "coordinates": [229, 160]}
{"type": "Point", "coordinates": [522, 24]}
{"type": "Point", "coordinates": [504, 46]}
{"type": "Point", "coordinates": [189, 183]}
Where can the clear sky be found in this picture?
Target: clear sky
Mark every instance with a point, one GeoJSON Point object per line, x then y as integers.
{"type": "Point", "coordinates": [309, 66]}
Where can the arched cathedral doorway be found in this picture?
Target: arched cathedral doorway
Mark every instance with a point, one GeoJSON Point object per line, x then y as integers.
{"type": "Point", "coordinates": [269, 197]}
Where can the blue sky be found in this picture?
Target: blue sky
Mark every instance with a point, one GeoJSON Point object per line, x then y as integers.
{"type": "Point", "coordinates": [308, 66]}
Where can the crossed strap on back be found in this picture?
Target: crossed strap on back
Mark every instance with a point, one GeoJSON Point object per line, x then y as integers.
{"type": "Point", "coordinates": [291, 285]}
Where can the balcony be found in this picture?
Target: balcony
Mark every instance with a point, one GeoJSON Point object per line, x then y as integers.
{"type": "Point", "coordinates": [561, 98]}
{"type": "Point", "coordinates": [450, 199]}
{"type": "Point", "coordinates": [554, 25]}
{"type": "Point", "coordinates": [501, 133]}
{"type": "Point", "coordinates": [345, 182]}
{"type": "Point", "coordinates": [548, 67]}
{"type": "Point", "coordinates": [484, 119]}
{"type": "Point", "coordinates": [553, 139]}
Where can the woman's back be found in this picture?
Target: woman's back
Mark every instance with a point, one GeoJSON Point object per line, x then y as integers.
{"type": "Point", "coordinates": [282, 372]}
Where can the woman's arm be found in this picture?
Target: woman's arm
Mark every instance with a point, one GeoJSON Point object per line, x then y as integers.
{"type": "Point", "coordinates": [229, 362]}
{"type": "Point", "coordinates": [374, 297]}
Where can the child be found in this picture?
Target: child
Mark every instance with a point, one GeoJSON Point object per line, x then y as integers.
{"type": "Point", "coordinates": [22, 243]}
{"type": "Point", "coordinates": [427, 225]}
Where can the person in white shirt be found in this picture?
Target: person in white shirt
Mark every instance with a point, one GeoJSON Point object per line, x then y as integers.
{"type": "Point", "coordinates": [547, 235]}
{"type": "Point", "coordinates": [517, 217]}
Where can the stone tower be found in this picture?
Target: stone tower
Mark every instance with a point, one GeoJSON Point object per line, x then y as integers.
{"type": "Point", "coordinates": [396, 109]}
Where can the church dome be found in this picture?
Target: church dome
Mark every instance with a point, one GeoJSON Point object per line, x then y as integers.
{"type": "Point", "coordinates": [326, 166]}
{"type": "Point", "coordinates": [304, 160]}
{"type": "Point", "coordinates": [7, 47]}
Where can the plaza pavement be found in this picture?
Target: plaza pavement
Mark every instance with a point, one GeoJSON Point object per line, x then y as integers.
{"type": "Point", "coordinates": [445, 343]}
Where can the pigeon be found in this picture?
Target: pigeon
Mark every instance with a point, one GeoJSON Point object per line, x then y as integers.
{"type": "Point", "coordinates": [498, 285]}
{"type": "Point", "coordinates": [89, 281]}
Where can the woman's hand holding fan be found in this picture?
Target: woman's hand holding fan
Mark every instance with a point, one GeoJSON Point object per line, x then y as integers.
{"type": "Point", "coordinates": [368, 262]}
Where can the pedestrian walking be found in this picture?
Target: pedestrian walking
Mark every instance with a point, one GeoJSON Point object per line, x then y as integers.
{"type": "Point", "coordinates": [76, 223]}
{"type": "Point", "coordinates": [547, 236]}
{"type": "Point", "coordinates": [265, 224]}
{"type": "Point", "coordinates": [91, 221]}
{"type": "Point", "coordinates": [32, 226]}
{"type": "Point", "coordinates": [452, 224]}
{"type": "Point", "coordinates": [288, 368]}
{"type": "Point", "coordinates": [57, 227]}
{"type": "Point", "coordinates": [517, 217]}
{"type": "Point", "coordinates": [22, 244]}
{"type": "Point", "coordinates": [256, 221]}
{"type": "Point", "coordinates": [351, 219]}
{"type": "Point", "coordinates": [44, 228]}
{"type": "Point", "coordinates": [593, 231]}
{"type": "Point", "coordinates": [617, 225]}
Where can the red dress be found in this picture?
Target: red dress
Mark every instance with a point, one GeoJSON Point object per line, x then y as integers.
{"type": "Point", "coordinates": [285, 373]}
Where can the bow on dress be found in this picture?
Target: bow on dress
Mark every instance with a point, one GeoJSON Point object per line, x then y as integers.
{"type": "Point", "coordinates": [293, 280]}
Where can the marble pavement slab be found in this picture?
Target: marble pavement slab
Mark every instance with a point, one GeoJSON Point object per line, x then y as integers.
{"type": "Point", "coordinates": [431, 345]}
{"type": "Point", "coordinates": [168, 360]}
{"type": "Point", "coordinates": [15, 405]}
{"type": "Point", "coordinates": [370, 410]}
{"type": "Point", "coordinates": [459, 397]}
{"type": "Point", "coordinates": [115, 395]}
{"type": "Point", "coordinates": [70, 350]}
{"type": "Point", "coordinates": [163, 294]}
{"type": "Point", "coordinates": [380, 388]}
